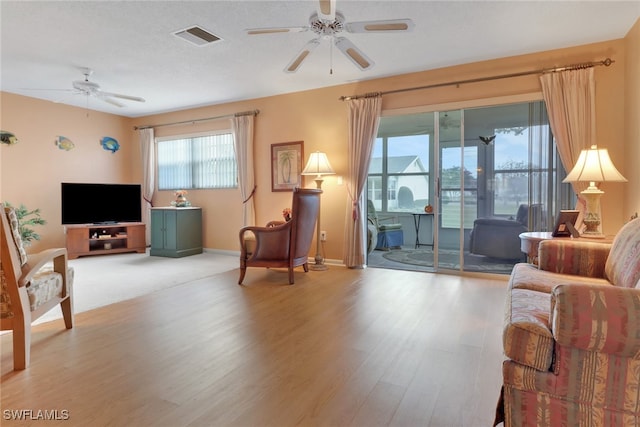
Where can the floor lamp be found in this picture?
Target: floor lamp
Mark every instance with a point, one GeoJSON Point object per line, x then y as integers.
{"type": "Point", "coordinates": [318, 165]}
{"type": "Point", "coordinates": [593, 165]}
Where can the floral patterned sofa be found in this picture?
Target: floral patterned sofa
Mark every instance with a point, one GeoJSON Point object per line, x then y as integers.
{"type": "Point", "coordinates": [572, 335]}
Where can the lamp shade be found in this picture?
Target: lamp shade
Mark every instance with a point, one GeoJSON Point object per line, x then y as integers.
{"type": "Point", "coordinates": [594, 165]}
{"type": "Point", "coordinates": [318, 164]}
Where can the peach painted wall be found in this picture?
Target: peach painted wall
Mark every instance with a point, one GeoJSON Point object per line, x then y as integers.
{"type": "Point", "coordinates": [32, 170]}
{"type": "Point", "coordinates": [319, 119]}
{"type": "Point", "coordinates": [316, 117]}
{"type": "Point", "coordinates": [632, 120]}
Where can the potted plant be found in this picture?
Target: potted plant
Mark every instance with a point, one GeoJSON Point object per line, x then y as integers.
{"type": "Point", "coordinates": [26, 219]}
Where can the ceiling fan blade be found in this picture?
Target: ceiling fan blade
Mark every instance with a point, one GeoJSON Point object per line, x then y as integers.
{"type": "Point", "coordinates": [356, 56]}
{"type": "Point", "coordinates": [102, 94]}
{"type": "Point", "coordinates": [275, 30]}
{"type": "Point", "coordinates": [327, 9]}
{"type": "Point", "coordinates": [384, 26]}
{"type": "Point", "coordinates": [48, 89]}
{"type": "Point", "coordinates": [293, 66]}
{"type": "Point", "coordinates": [104, 97]}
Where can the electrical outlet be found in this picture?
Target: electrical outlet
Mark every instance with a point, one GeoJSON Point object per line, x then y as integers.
{"type": "Point", "coordinates": [323, 236]}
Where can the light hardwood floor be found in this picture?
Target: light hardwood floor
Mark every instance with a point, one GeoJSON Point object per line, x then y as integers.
{"type": "Point", "coordinates": [339, 348]}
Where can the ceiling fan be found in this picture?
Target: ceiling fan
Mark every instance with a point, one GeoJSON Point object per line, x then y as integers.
{"type": "Point", "coordinates": [327, 23]}
{"type": "Point", "coordinates": [92, 89]}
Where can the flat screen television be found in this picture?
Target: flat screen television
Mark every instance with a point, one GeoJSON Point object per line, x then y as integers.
{"type": "Point", "coordinates": [86, 203]}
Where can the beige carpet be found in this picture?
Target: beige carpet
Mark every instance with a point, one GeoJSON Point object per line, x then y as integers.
{"type": "Point", "coordinates": [103, 280]}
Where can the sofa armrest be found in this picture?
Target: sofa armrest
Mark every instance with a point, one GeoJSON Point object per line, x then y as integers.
{"type": "Point", "coordinates": [526, 337]}
{"type": "Point", "coordinates": [577, 257]}
{"type": "Point", "coordinates": [598, 318]}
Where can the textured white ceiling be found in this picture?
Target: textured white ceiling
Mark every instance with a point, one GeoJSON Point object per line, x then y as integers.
{"type": "Point", "coordinates": [130, 46]}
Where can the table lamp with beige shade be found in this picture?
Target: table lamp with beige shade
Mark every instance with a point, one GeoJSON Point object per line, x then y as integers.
{"type": "Point", "coordinates": [594, 165]}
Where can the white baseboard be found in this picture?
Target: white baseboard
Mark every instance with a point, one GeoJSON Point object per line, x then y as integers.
{"type": "Point", "coordinates": [337, 262]}
{"type": "Point", "coordinates": [222, 252]}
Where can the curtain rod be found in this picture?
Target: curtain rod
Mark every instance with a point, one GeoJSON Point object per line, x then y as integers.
{"type": "Point", "coordinates": [226, 116]}
{"type": "Point", "coordinates": [605, 62]}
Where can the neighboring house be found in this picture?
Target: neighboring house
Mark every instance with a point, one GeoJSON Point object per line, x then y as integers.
{"type": "Point", "coordinates": [407, 184]}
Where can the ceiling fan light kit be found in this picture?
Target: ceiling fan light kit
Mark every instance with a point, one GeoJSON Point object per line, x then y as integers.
{"type": "Point", "coordinates": [327, 23]}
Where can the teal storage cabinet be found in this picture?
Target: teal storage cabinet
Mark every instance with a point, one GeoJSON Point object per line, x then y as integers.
{"type": "Point", "coordinates": [176, 232]}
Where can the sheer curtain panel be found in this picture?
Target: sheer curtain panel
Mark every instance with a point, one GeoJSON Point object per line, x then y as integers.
{"type": "Point", "coordinates": [363, 121]}
{"type": "Point", "coordinates": [570, 100]}
{"type": "Point", "coordinates": [147, 154]}
{"type": "Point", "coordinates": [242, 127]}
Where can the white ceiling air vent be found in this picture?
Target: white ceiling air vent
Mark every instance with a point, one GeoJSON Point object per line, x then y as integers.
{"type": "Point", "coordinates": [197, 36]}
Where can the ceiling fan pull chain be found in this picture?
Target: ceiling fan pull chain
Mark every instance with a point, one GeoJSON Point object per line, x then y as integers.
{"type": "Point", "coordinates": [331, 57]}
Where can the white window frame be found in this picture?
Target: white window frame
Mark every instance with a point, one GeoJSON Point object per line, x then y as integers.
{"type": "Point", "coordinates": [196, 172]}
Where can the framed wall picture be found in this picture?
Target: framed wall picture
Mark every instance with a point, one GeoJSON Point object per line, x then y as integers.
{"type": "Point", "coordinates": [286, 165]}
{"type": "Point", "coordinates": [565, 224]}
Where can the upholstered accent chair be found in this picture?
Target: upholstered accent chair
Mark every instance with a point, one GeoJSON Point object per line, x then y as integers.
{"type": "Point", "coordinates": [372, 237]}
{"type": "Point", "coordinates": [571, 335]}
{"type": "Point", "coordinates": [31, 286]}
{"type": "Point", "coordinates": [282, 244]}
{"type": "Point", "coordinates": [389, 234]}
{"type": "Point", "coordinates": [499, 237]}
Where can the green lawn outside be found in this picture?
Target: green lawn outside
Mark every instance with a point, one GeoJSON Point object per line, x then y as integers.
{"type": "Point", "coordinates": [451, 213]}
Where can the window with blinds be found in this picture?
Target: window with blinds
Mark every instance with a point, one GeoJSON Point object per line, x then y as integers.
{"type": "Point", "coordinates": [204, 161]}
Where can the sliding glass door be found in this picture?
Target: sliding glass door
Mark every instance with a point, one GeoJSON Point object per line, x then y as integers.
{"type": "Point", "coordinates": [519, 183]}
{"type": "Point", "coordinates": [399, 187]}
{"type": "Point", "coordinates": [487, 175]}
{"type": "Point", "coordinates": [458, 183]}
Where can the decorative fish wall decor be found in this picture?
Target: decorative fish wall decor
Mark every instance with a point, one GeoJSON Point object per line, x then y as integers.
{"type": "Point", "coordinates": [8, 138]}
{"type": "Point", "coordinates": [109, 144]}
{"type": "Point", "coordinates": [64, 143]}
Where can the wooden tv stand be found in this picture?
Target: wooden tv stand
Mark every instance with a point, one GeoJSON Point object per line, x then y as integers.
{"type": "Point", "coordinates": [100, 239]}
